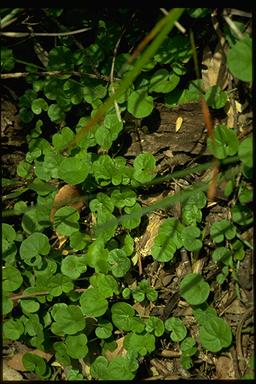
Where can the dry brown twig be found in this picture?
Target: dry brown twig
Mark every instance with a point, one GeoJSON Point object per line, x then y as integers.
{"type": "Point", "coordinates": [45, 34]}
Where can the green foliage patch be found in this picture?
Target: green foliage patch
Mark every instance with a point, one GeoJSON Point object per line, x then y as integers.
{"type": "Point", "coordinates": [84, 298]}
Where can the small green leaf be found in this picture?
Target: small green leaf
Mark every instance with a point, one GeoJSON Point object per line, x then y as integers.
{"type": "Point", "coordinates": [190, 241]}
{"type": "Point", "coordinates": [34, 363]}
{"type": "Point", "coordinates": [74, 170]}
{"type": "Point", "coordinates": [242, 215]}
{"type": "Point", "coordinates": [12, 329]}
{"type": "Point", "coordinates": [107, 284]}
{"type": "Point", "coordinates": [93, 303]}
{"type": "Point", "coordinates": [104, 329]}
{"type": "Point", "coordinates": [225, 143]}
{"type": "Point", "coordinates": [66, 220]}
{"type": "Point", "coordinates": [119, 262]}
{"type": "Point", "coordinates": [123, 317]}
{"type": "Point", "coordinates": [73, 266]}
{"type": "Point", "coordinates": [188, 346]}
{"type": "Point", "coordinates": [56, 113]}
{"type": "Point", "coordinates": [245, 152]}
{"type": "Point", "coordinates": [61, 353]}
{"type": "Point", "coordinates": [96, 256]}
{"type": "Point", "coordinates": [215, 97]}
{"type": "Point", "coordinates": [60, 58]}
{"type": "Point", "coordinates": [239, 59]}
{"type": "Point", "coordinates": [38, 105]}
{"type": "Point", "coordinates": [168, 240]}
{"type": "Point", "coordinates": [215, 334]}
{"type": "Point", "coordinates": [68, 320]}
{"type": "Point", "coordinates": [59, 283]}
{"type": "Point", "coordinates": [79, 240]}
{"type": "Point", "coordinates": [155, 325]}
{"type": "Point", "coordinates": [144, 167]}
{"type": "Point", "coordinates": [32, 248]}
{"type": "Point", "coordinates": [120, 368]}
{"type": "Point", "coordinates": [60, 139]}
{"type": "Point", "coordinates": [123, 198]}
{"type": "Point", "coordinates": [141, 344]}
{"type": "Point", "coordinates": [223, 255]}
{"type": "Point", "coordinates": [222, 228]}
{"type": "Point", "coordinates": [163, 81]}
{"type": "Point", "coordinates": [133, 217]}
{"type": "Point", "coordinates": [194, 289]}
{"type": "Point", "coordinates": [76, 346]}
{"type": "Point", "coordinates": [7, 304]}
{"type": "Point", "coordinates": [140, 104]}
{"type": "Point", "coordinates": [177, 329]}
{"type": "Point", "coordinates": [12, 278]}
{"type": "Point", "coordinates": [29, 306]}
{"type": "Point", "coordinates": [9, 248]}
{"type": "Point", "coordinates": [7, 59]}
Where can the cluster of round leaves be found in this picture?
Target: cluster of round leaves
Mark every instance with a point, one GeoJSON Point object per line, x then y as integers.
{"type": "Point", "coordinates": [54, 274]}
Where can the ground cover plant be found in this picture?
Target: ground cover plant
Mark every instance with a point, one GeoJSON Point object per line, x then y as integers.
{"type": "Point", "coordinates": [127, 204]}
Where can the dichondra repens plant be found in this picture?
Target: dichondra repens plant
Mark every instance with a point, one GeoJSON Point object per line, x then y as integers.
{"type": "Point", "coordinates": [68, 258]}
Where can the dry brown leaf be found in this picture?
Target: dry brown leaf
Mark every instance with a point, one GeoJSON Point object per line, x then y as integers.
{"type": "Point", "coordinates": [216, 72]}
{"type": "Point", "coordinates": [119, 351]}
{"type": "Point", "coordinates": [16, 361]}
{"type": "Point", "coordinates": [229, 109]}
{"type": "Point", "coordinates": [68, 195]}
{"type": "Point", "coordinates": [225, 368]}
{"type": "Point", "coordinates": [10, 374]}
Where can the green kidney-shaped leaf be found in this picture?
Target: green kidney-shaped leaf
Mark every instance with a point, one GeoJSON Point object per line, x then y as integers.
{"type": "Point", "coordinates": [222, 228]}
{"type": "Point", "coordinates": [141, 344]}
{"type": "Point", "coordinates": [140, 104]}
{"type": "Point", "coordinates": [96, 256]}
{"type": "Point", "coordinates": [59, 283]}
{"type": "Point", "coordinates": [38, 105]}
{"type": "Point", "coordinates": [76, 346]}
{"type": "Point", "coordinates": [107, 284]}
{"type": "Point", "coordinates": [133, 217]}
{"type": "Point", "coordinates": [177, 329]}
{"type": "Point", "coordinates": [225, 143]}
{"type": "Point", "coordinates": [12, 278]}
{"type": "Point", "coordinates": [60, 59]}
{"type": "Point", "coordinates": [29, 306]}
{"type": "Point", "coordinates": [32, 248]}
{"type": "Point", "coordinates": [66, 220]}
{"type": "Point", "coordinates": [194, 289]}
{"type": "Point", "coordinates": [123, 198]}
{"type": "Point", "coordinates": [120, 368]}
{"type": "Point", "coordinates": [155, 325]}
{"type": "Point", "coordinates": [222, 255]}
{"type": "Point", "coordinates": [73, 266]}
{"type": "Point", "coordinates": [68, 320]}
{"type": "Point", "coordinates": [73, 170]}
{"type": "Point", "coordinates": [239, 59]}
{"type": "Point", "coordinates": [190, 241]}
{"type": "Point", "coordinates": [245, 151]}
{"type": "Point", "coordinates": [60, 139]}
{"type": "Point", "coordinates": [215, 97]}
{"type": "Point", "coordinates": [93, 303]}
{"type": "Point", "coordinates": [215, 334]}
{"type": "Point", "coordinates": [144, 167]}
{"type": "Point", "coordinates": [56, 113]}
{"type": "Point", "coordinates": [34, 363]}
{"type": "Point", "coordinates": [12, 329]}
{"type": "Point", "coordinates": [168, 240]}
{"type": "Point", "coordinates": [104, 329]}
{"type": "Point", "coordinates": [119, 262]}
{"type": "Point", "coordinates": [163, 81]}
{"type": "Point", "coordinates": [123, 317]}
